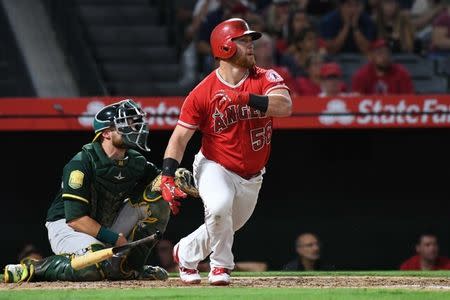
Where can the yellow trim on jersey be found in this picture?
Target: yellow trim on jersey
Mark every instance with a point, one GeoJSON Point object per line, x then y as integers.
{"type": "Point", "coordinates": [149, 199]}
{"type": "Point", "coordinates": [150, 220]}
{"type": "Point", "coordinates": [75, 197]}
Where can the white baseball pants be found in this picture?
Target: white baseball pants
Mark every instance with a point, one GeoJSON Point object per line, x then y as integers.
{"type": "Point", "coordinates": [64, 240]}
{"type": "Point", "coordinates": [229, 201]}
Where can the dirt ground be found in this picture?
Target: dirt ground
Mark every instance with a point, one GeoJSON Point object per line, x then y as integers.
{"type": "Point", "coordinates": [282, 282]}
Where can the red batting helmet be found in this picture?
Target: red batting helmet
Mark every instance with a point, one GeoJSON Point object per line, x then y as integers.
{"type": "Point", "coordinates": [221, 40]}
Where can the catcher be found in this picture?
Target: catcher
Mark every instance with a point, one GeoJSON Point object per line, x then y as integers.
{"type": "Point", "coordinates": [109, 195]}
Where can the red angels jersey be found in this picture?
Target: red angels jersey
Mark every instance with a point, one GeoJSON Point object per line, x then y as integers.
{"type": "Point", "coordinates": [237, 137]}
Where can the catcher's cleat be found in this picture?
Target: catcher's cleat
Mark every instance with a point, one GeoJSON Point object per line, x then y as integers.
{"type": "Point", "coordinates": [153, 273]}
{"type": "Point", "coordinates": [18, 273]}
{"type": "Point", "coordinates": [219, 276]}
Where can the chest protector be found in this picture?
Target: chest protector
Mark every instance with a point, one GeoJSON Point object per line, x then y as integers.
{"type": "Point", "coordinates": [111, 181]}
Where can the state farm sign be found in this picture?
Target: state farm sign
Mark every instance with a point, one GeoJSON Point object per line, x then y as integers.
{"type": "Point", "coordinates": [368, 112]}
{"type": "Point", "coordinates": [391, 111]}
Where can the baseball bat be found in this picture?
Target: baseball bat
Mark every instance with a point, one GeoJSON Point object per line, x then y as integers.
{"type": "Point", "coordinates": [91, 258]}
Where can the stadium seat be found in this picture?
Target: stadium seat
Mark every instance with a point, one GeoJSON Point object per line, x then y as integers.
{"type": "Point", "coordinates": [130, 54]}
{"type": "Point", "coordinates": [407, 58]}
{"type": "Point", "coordinates": [126, 35]}
{"type": "Point", "coordinates": [144, 88]}
{"type": "Point", "coordinates": [443, 66]}
{"type": "Point", "coordinates": [141, 71]}
{"type": "Point", "coordinates": [344, 58]}
{"type": "Point", "coordinates": [420, 70]}
{"type": "Point", "coordinates": [433, 85]}
{"type": "Point", "coordinates": [118, 15]}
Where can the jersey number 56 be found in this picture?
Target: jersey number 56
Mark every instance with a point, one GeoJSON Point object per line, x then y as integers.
{"type": "Point", "coordinates": [261, 136]}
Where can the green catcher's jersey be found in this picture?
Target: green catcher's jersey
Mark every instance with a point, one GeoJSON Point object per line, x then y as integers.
{"type": "Point", "coordinates": [96, 186]}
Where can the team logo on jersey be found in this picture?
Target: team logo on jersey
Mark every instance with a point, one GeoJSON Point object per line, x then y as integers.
{"type": "Point", "coordinates": [76, 179]}
{"type": "Point", "coordinates": [119, 177]}
{"type": "Point", "coordinates": [232, 114]}
{"type": "Point", "coordinates": [273, 76]}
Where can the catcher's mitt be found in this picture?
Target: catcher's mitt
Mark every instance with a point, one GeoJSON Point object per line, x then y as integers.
{"type": "Point", "coordinates": [183, 180]}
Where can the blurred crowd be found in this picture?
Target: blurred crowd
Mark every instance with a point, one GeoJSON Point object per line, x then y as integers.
{"type": "Point", "coordinates": [302, 38]}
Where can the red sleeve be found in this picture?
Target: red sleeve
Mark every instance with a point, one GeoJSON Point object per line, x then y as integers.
{"type": "Point", "coordinates": [190, 115]}
{"type": "Point", "coordinates": [272, 81]}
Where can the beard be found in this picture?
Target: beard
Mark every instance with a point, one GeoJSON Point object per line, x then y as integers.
{"type": "Point", "coordinates": [243, 60]}
{"type": "Point", "coordinates": [118, 142]}
{"type": "Point", "coordinates": [383, 67]}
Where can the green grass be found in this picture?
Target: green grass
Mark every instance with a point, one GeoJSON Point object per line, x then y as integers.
{"type": "Point", "coordinates": [224, 293]}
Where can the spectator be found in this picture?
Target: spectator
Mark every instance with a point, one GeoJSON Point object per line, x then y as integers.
{"type": "Point", "coordinates": [423, 13]}
{"type": "Point", "coordinates": [331, 81]}
{"type": "Point", "coordinates": [306, 43]}
{"type": "Point", "coordinates": [264, 49]}
{"type": "Point", "coordinates": [427, 257]}
{"type": "Point", "coordinates": [440, 36]}
{"type": "Point", "coordinates": [307, 247]}
{"type": "Point", "coordinates": [277, 18]}
{"type": "Point", "coordinates": [372, 7]}
{"type": "Point", "coordinates": [277, 22]}
{"type": "Point", "coordinates": [315, 7]}
{"type": "Point", "coordinates": [298, 21]}
{"type": "Point", "coordinates": [348, 28]}
{"type": "Point", "coordinates": [256, 22]}
{"type": "Point", "coordinates": [395, 27]}
{"type": "Point", "coordinates": [310, 85]}
{"type": "Point", "coordinates": [381, 75]}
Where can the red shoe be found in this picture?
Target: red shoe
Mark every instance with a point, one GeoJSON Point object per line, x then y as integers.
{"type": "Point", "coordinates": [219, 276]}
{"type": "Point", "coordinates": [188, 276]}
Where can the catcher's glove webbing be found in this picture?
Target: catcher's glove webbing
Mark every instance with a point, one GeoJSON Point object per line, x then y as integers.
{"type": "Point", "coordinates": [184, 180]}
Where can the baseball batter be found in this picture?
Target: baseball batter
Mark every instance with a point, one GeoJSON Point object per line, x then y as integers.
{"type": "Point", "coordinates": [233, 108]}
{"type": "Point", "coordinates": [104, 200]}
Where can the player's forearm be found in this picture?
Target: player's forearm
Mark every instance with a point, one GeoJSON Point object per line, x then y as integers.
{"type": "Point", "coordinates": [86, 225]}
{"type": "Point", "coordinates": [175, 149]}
{"type": "Point", "coordinates": [177, 143]}
{"type": "Point", "coordinates": [279, 106]}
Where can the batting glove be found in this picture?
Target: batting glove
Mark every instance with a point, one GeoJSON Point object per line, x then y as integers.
{"type": "Point", "coordinates": [232, 97]}
{"type": "Point", "coordinates": [170, 192]}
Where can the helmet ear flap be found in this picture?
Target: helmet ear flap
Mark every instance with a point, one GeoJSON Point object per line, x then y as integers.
{"type": "Point", "coordinates": [228, 49]}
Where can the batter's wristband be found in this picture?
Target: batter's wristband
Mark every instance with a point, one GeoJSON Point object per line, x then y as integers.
{"type": "Point", "coordinates": [107, 236]}
{"type": "Point", "coordinates": [169, 167]}
{"type": "Point", "coordinates": [259, 102]}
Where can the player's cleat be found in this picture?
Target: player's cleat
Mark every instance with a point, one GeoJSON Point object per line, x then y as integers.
{"type": "Point", "coordinates": [18, 273]}
{"type": "Point", "coordinates": [219, 276]}
{"type": "Point", "coordinates": [188, 276]}
{"type": "Point", "coordinates": [153, 273]}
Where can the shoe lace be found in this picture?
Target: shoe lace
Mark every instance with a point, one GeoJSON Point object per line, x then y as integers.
{"type": "Point", "coordinates": [219, 271]}
{"type": "Point", "coordinates": [188, 271]}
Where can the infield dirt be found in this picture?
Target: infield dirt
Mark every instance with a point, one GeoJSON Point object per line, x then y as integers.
{"type": "Point", "coordinates": [421, 283]}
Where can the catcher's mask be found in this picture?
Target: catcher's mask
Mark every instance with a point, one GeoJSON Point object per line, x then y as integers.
{"type": "Point", "coordinates": [129, 121]}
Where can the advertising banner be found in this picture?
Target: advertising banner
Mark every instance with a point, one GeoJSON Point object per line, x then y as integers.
{"type": "Point", "coordinates": [391, 111]}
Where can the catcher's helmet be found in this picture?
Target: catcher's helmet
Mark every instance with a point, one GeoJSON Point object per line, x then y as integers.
{"type": "Point", "coordinates": [221, 40]}
{"type": "Point", "coordinates": [128, 119]}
